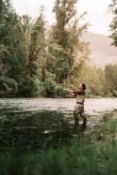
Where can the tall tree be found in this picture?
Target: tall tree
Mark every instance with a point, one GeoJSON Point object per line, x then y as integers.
{"type": "Point", "coordinates": [11, 51]}
{"type": "Point", "coordinates": [35, 45]}
{"type": "Point", "coordinates": [66, 43]}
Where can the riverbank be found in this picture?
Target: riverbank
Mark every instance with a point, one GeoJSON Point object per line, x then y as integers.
{"type": "Point", "coordinates": [91, 152]}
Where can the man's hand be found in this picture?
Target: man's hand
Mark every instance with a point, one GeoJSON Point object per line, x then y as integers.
{"type": "Point", "coordinates": [69, 91]}
{"type": "Point", "coordinates": [65, 89]}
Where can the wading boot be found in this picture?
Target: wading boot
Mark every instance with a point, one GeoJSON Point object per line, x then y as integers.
{"type": "Point", "coordinates": [84, 124]}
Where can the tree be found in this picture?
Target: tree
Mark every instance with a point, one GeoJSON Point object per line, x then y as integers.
{"type": "Point", "coordinates": [66, 46]}
{"type": "Point", "coordinates": [22, 52]}
{"type": "Point", "coordinates": [35, 54]}
{"type": "Point", "coordinates": [113, 25]}
{"type": "Point", "coordinates": [11, 51]}
{"type": "Point", "coordinates": [111, 80]}
{"type": "Point", "coordinates": [4, 53]}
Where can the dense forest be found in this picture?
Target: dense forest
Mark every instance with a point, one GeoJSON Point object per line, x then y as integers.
{"type": "Point", "coordinates": [40, 60]}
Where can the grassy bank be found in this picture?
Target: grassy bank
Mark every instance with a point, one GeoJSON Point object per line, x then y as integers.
{"type": "Point", "coordinates": [84, 155]}
{"type": "Point", "coordinates": [82, 158]}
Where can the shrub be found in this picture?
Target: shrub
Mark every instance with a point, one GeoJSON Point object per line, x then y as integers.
{"type": "Point", "coordinates": [59, 91]}
{"type": "Point", "coordinates": [8, 86]}
{"type": "Point", "coordinates": [48, 88]}
{"type": "Point", "coordinates": [30, 88]}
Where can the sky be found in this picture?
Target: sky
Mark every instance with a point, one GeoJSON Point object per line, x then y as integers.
{"type": "Point", "coordinates": [97, 15]}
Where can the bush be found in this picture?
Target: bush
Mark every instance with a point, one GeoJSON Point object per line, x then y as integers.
{"type": "Point", "coordinates": [51, 89]}
{"type": "Point", "coordinates": [59, 91]}
{"type": "Point", "coordinates": [111, 80]}
{"type": "Point", "coordinates": [48, 88]}
{"type": "Point", "coordinates": [30, 88]}
{"type": "Point", "coordinates": [8, 86]}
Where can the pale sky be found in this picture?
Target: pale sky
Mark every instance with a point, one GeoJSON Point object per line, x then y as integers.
{"type": "Point", "coordinates": [97, 12]}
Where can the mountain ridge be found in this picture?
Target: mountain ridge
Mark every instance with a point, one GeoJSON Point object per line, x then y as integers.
{"type": "Point", "coordinates": [102, 50]}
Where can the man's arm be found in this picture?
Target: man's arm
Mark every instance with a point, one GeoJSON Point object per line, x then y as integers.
{"type": "Point", "coordinates": [70, 92]}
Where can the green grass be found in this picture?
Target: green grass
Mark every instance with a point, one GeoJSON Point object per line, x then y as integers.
{"type": "Point", "coordinates": [108, 125]}
{"type": "Point", "coordinates": [79, 158]}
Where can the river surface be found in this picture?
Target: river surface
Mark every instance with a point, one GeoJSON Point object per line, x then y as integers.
{"type": "Point", "coordinates": [39, 122]}
{"type": "Point", "coordinates": [92, 106]}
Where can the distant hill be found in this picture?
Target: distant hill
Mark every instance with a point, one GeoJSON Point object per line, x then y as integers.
{"type": "Point", "coordinates": [102, 52]}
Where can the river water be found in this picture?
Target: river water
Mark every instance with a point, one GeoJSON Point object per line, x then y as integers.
{"type": "Point", "coordinates": [41, 121]}
{"type": "Point", "coordinates": [92, 106]}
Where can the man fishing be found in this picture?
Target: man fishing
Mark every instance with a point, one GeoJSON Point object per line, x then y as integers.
{"type": "Point", "coordinates": [79, 107]}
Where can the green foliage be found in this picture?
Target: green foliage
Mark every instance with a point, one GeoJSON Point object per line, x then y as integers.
{"type": "Point", "coordinates": [59, 91]}
{"type": "Point", "coordinates": [11, 52]}
{"type": "Point", "coordinates": [36, 47]}
{"type": "Point", "coordinates": [8, 87]}
{"type": "Point", "coordinates": [29, 88]}
{"type": "Point", "coordinates": [11, 39]}
{"type": "Point", "coordinates": [113, 25]}
{"type": "Point", "coordinates": [57, 62]}
{"type": "Point", "coordinates": [35, 56]}
{"type": "Point", "coordinates": [109, 126]}
{"type": "Point", "coordinates": [49, 88]}
{"type": "Point", "coordinates": [35, 60]}
{"type": "Point", "coordinates": [22, 49]}
{"type": "Point", "coordinates": [111, 80]}
{"type": "Point", "coordinates": [64, 41]}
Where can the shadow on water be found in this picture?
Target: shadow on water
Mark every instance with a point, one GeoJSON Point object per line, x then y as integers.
{"type": "Point", "coordinates": [33, 129]}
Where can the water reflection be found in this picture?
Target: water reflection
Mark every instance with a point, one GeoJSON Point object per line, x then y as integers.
{"type": "Point", "coordinates": [34, 129]}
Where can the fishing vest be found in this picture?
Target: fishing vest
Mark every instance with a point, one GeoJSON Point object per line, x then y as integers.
{"type": "Point", "coordinates": [80, 99]}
